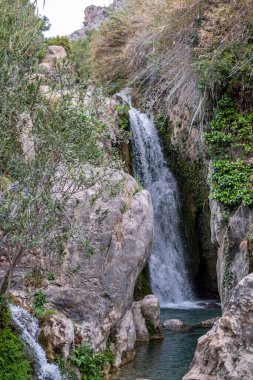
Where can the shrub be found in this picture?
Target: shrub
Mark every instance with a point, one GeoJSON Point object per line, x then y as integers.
{"type": "Point", "coordinates": [230, 139]}
{"type": "Point", "coordinates": [39, 302]}
{"type": "Point", "coordinates": [90, 364]}
{"type": "Point", "coordinates": [231, 182]}
{"type": "Point", "coordinates": [13, 365]}
{"type": "Point", "coordinates": [81, 52]}
{"type": "Point", "coordinates": [60, 41]}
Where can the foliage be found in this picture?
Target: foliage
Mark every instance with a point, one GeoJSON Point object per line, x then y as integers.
{"type": "Point", "coordinates": [39, 302]}
{"type": "Point", "coordinates": [81, 51]}
{"type": "Point", "coordinates": [229, 71]}
{"type": "Point", "coordinates": [123, 116]}
{"type": "Point", "coordinates": [63, 135]}
{"type": "Point", "coordinates": [230, 133]}
{"type": "Point", "coordinates": [5, 314]}
{"type": "Point", "coordinates": [34, 278]}
{"type": "Point", "coordinates": [228, 275]}
{"type": "Point", "coordinates": [231, 182]}
{"type": "Point", "coordinates": [51, 276]}
{"type": "Point", "coordinates": [90, 364]}
{"type": "Point", "coordinates": [60, 41]}
{"type": "Point", "coordinates": [13, 365]}
{"type": "Point", "coordinates": [230, 139]}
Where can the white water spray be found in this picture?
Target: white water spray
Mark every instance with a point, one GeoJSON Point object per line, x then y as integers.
{"type": "Point", "coordinates": [168, 269]}
{"type": "Point", "coordinates": [28, 328]}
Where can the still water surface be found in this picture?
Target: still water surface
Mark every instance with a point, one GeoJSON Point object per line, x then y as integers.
{"type": "Point", "coordinates": [168, 359]}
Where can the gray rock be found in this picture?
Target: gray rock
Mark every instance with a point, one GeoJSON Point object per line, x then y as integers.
{"type": "Point", "coordinates": [175, 324]}
{"type": "Point", "coordinates": [54, 54]}
{"type": "Point", "coordinates": [225, 352]}
{"type": "Point", "coordinates": [150, 309]}
{"type": "Point", "coordinates": [109, 245]}
{"type": "Point", "coordinates": [94, 16]}
{"type": "Point", "coordinates": [142, 334]}
{"type": "Point", "coordinates": [57, 336]}
{"type": "Point", "coordinates": [229, 237]}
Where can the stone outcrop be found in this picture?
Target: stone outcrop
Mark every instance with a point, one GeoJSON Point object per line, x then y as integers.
{"type": "Point", "coordinates": [94, 16]}
{"type": "Point", "coordinates": [57, 336]}
{"type": "Point", "coordinates": [229, 235]}
{"type": "Point", "coordinates": [108, 247]}
{"type": "Point", "coordinates": [54, 54]}
{"type": "Point", "coordinates": [225, 352]}
{"type": "Point", "coordinates": [175, 324]}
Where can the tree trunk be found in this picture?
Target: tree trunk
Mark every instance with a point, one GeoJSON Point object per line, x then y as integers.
{"type": "Point", "coordinates": [5, 285]}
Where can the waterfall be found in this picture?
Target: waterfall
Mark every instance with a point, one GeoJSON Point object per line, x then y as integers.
{"type": "Point", "coordinates": [168, 268]}
{"type": "Point", "coordinates": [28, 327]}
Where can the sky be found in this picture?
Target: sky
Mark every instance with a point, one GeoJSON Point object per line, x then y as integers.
{"type": "Point", "coordinates": [66, 16]}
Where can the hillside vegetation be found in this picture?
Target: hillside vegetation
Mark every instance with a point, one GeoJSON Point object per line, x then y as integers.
{"type": "Point", "coordinates": [194, 55]}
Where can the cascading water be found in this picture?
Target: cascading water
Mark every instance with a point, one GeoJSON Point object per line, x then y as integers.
{"type": "Point", "coordinates": [28, 328]}
{"type": "Point", "coordinates": [168, 269]}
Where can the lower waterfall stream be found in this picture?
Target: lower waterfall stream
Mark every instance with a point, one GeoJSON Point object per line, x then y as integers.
{"type": "Point", "coordinates": [28, 328]}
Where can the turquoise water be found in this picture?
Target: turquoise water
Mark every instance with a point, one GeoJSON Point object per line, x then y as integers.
{"type": "Point", "coordinates": [170, 358]}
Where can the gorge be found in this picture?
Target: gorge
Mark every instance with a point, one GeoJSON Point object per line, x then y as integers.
{"type": "Point", "coordinates": [125, 221]}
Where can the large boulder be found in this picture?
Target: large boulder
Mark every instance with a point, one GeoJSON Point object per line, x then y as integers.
{"type": "Point", "coordinates": [225, 352]}
{"type": "Point", "coordinates": [107, 247]}
{"type": "Point", "coordinates": [151, 309]}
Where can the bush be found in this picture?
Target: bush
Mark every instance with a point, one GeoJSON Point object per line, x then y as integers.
{"type": "Point", "coordinates": [81, 52]}
{"type": "Point", "coordinates": [231, 132]}
{"type": "Point", "coordinates": [60, 41]}
{"type": "Point", "coordinates": [39, 302]}
{"type": "Point", "coordinates": [13, 365]}
{"type": "Point", "coordinates": [231, 182]}
{"type": "Point", "coordinates": [230, 139]}
{"type": "Point", "coordinates": [89, 363]}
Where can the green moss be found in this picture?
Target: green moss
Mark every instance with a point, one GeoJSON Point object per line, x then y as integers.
{"type": "Point", "coordinates": [123, 116]}
{"type": "Point", "coordinates": [228, 275]}
{"type": "Point", "coordinates": [142, 288]}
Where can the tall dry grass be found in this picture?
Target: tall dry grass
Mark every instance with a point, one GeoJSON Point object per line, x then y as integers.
{"type": "Point", "coordinates": [152, 46]}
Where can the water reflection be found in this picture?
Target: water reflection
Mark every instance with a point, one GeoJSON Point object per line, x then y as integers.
{"type": "Point", "coordinates": [170, 358]}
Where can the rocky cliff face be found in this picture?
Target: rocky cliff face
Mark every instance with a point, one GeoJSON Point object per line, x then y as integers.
{"type": "Point", "coordinates": [230, 236]}
{"type": "Point", "coordinates": [94, 16]}
{"type": "Point", "coordinates": [109, 245]}
{"type": "Point", "coordinates": [225, 352]}
{"type": "Point", "coordinates": [90, 282]}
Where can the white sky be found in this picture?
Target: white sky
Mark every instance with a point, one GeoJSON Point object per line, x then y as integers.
{"type": "Point", "coordinates": [66, 16]}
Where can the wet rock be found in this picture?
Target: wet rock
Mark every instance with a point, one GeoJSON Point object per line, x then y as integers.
{"type": "Point", "coordinates": [207, 323]}
{"type": "Point", "coordinates": [175, 324]}
{"type": "Point", "coordinates": [125, 340]}
{"type": "Point", "coordinates": [150, 309]}
{"type": "Point", "coordinates": [57, 335]}
{"type": "Point", "coordinates": [225, 352]}
{"type": "Point", "coordinates": [142, 334]}
{"type": "Point", "coordinates": [209, 305]}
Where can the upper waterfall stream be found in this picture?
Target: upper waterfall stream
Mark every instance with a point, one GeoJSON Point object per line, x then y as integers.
{"type": "Point", "coordinates": [168, 264]}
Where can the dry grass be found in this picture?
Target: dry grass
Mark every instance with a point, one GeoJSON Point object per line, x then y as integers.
{"type": "Point", "coordinates": [152, 45]}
